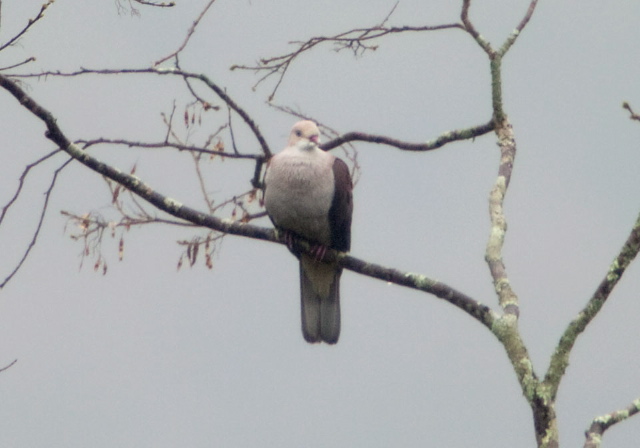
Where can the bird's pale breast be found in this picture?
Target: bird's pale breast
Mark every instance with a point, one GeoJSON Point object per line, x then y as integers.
{"type": "Point", "coordinates": [299, 191]}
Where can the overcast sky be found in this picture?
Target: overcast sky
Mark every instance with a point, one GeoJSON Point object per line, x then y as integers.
{"type": "Point", "coordinates": [146, 356]}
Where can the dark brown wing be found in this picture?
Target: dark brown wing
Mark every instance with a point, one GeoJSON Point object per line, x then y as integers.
{"type": "Point", "coordinates": [341, 207]}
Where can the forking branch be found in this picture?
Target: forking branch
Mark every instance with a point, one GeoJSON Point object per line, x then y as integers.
{"type": "Point", "coordinates": [480, 312]}
{"type": "Point", "coordinates": [357, 40]}
{"type": "Point", "coordinates": [540, 394]}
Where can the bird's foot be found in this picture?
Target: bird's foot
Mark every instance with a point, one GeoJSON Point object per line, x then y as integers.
{"type": "Point", "coordinates": [318, 251]}
{"type": "Point", "coordinates": [289, 239]}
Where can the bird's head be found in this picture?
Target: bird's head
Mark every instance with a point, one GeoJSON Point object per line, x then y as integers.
{"type": "Point", "coordinates": [304, 134]}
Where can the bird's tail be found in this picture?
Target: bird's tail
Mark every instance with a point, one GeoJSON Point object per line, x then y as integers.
{"type": "Point", "coordinates": [320, 300]}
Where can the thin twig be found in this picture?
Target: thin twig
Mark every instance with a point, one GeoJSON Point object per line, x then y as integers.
{"type": "Point", "coordinates": [632, 114]}
{"type": "Point", "coordinates": [34, 239]}
{"type": "Point", "coordinates": [166, 144]}
{"type": "Point", "coordinates": [158, 4]}
{"type": "Point", "coordinates": [201, 183]}
{"type": "Point", "coordinates": [205, 104]}
{"type": "Point", "coordinates": [9, 365]}
{"type": "Point", "coordinates": [471, 29]}
{"type": "Point", "coordinates": [30, 23]}
{"type": "Point", "coordinates": [477, 310]}
{"type": "Point", "coordinates": [600, 424]}
{"type": "Point", "coordinates": [189, 33]}
{"type": "Point", "coordinates": [514, 35]}
{"type": "Point", "coordinates": [357, 40]}
{"type": "Point", "coordinates": [26, 61]}
{"type": "Point", "coordinates": [169, 71]}
{"type": "Point", "coordinates": [21, 180]}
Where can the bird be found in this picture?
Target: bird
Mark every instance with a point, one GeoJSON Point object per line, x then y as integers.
{"type": "Point", "coordinates": [308, 194]}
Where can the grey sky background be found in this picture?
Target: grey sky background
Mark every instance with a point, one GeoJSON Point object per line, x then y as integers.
{"type": "Point", "coordinates": [150, 357]}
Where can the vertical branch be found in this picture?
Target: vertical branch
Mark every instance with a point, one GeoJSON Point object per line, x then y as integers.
{"type": "Point", "coordinates": [496, 94]}
{"type": "Point", "coordinates": [539, 397]}
{"type": "Point", "coordinates": [507, 298]}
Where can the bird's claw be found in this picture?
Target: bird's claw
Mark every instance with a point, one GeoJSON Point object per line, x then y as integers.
{"type": "Point", "coordinates": [318, 252]}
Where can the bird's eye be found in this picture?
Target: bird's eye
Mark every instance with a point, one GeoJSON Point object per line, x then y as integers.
{"type": "Point", "coordinates": [298, 133]}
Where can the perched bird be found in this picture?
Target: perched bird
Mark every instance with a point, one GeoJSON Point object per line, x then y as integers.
{"type": "Point", "coordinates": [308, 194]}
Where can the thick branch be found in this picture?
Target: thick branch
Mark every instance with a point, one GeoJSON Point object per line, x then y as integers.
{"type": "Point", "coordinates": [507, 298]}
{"type": "Point", "coordinates": [480, 312]}
{"type": "Point", "coordinates": [506, 326]}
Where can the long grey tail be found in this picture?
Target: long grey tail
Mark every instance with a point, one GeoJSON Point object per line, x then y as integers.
{"type": "Point", "coordinates": [320, 303]}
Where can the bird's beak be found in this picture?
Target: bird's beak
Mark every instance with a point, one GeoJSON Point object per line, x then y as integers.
{"type": "Point", "coordinates": [314, 139]}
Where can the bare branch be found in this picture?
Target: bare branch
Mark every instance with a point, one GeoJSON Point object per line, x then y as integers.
{"type": "Point", "coordinates": [514, 35]}
{"type": "Point", "coordinates": [469, 28]}
{"type": "Point", "coordinates": [560, 358]}
{"type": "Point", "coordinates": [357, 40]}
{"type": "Point", "coordinates": [477, 310]}
{"type": "Point", "coordinates": [9, 365]}
{"type": "Point", "coordinates": [447, 137]}
{"type": "Point", "coordinates": [130, 182]}
{"type": "Point", "coordinates": [135, 12]}
{"type": "Point", "coordinates": [23, 177]}
{"type": "Point", "coordinates": [350, 153]}
{"type": "Point", "coordinates": [507, 298]}
{"type": "Point", "coordinates": [486, 46]}
{"type": "Point", "coordinates": [34, 238]}
{"type": "Point", "coordinates": [158, 4]}
{"type": "Point", "coordinates": [506, 327]}
{"type": "Point", "coordinates": [205, 104]}
{"type": "Point", "coordinates": [26, 61]}
{"type": "Point", "coordinates": [189, 33]}
{"type": "Point", "coordinates": [495, 57]}
{"type": "Point", "coordinates": [30, 23]}
{"type": "Point", "coordinates": [170, 71]}
{"type": "Point", "coordinates": [632, 115]}
{"type": "Point", "coordinates": [601, 424]}
{"type": "Point", "coordinates": [166, 144]}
